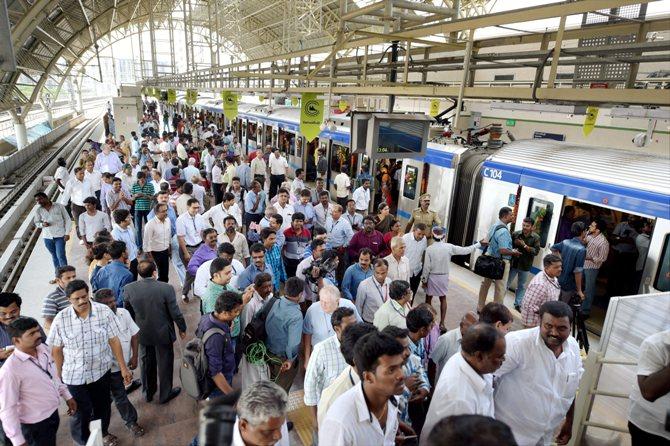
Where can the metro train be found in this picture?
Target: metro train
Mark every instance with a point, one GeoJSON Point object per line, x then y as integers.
{"type": "Point", "coordinates": [541, 179]}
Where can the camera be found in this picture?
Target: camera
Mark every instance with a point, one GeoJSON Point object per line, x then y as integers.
{"type": "Point", "coordinates": [217, 421]}
{"type": "Point", "coordinates": [326, 265]}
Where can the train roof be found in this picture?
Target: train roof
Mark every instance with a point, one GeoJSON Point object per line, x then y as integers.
{"type": "Point", "coordinates": [635, 176]}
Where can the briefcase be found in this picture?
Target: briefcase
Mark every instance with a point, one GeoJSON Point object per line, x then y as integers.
{"type": "Point", "coordinates": [490, 267]}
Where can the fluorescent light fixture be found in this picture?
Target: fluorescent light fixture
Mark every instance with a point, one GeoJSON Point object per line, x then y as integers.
{"type": "Point", "coordinates": [538, 107]}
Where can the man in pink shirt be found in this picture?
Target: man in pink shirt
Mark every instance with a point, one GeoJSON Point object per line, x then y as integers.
{"type": "Point", "coordinates": [30, 388]}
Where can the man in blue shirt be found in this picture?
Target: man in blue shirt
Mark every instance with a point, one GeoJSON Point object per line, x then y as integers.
{"type": "Point", "coordinates": [283, 327]}
{"type": "Point", "coordinates": [115, 275]}
{"type": "Point", "coordinates": [356, 273]}
{"type": "Point", "coordinates": [256, 267]}
{"type": "Point", "coordinates": [573, 255]}
{"type": "Point", "coordinates": [500, 246]}
{"type": "Point", "coordinates": [305, 207]}
{"type": "Point", "coordinates": [254, 204]}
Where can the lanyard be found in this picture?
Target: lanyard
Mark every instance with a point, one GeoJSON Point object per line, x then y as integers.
{"type": "Point", "coordinates": [195, 228]}
{"type": "Point", "coordinates": [404, 316]}
{"type": "Point", "coordinates": [46, 372]}
{"type": "Point", "coordinates": [379, 289]}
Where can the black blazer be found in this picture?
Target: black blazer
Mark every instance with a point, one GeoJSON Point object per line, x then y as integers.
{"type": "Point", "coordinates": [153, 305]}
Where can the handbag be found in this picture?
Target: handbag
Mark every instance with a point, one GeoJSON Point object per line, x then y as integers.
{"type": "Point", "coordinates": [488, 266]}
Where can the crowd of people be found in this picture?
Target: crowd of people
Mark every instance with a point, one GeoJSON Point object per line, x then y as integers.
{"type": "Point", "coordinates": [287, 282]}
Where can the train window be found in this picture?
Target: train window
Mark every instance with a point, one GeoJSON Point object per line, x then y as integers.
{"type": "Point", "coordinates": [411, 179]}
{"type": "Point", "coordinates": [340, 156]}
{"type": "Point", "coordinates": [662, 280]}
{"type": "Point", "coordinates": [541, 212]}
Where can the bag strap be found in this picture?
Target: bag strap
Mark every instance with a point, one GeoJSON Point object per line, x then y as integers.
{"type": "Point", "coordinates": [211, 332]}
{"type": "Point", "coordinates": [265, 311]}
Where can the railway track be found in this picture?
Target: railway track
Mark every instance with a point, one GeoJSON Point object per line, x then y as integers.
{"type": "Point", "coordinates": [23, 235]}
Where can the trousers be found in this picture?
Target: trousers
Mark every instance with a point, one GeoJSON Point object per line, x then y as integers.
{"type": "Point", "coordinates": [499, 288]}
{"type": "Point", "coordinates": [123, 405]}
{"type": "Point", "coordinates": [42, 433]}
{"type": "Point", "coordinates": [93, 403]}
{"type": "Point", "coordinates": [156, 362]}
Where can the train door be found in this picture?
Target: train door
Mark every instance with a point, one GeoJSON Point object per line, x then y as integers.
{"type": "Point", "coordinates": [268, 137]}
{"type": "Point", "coordinates": [339, 155]}
{"type": "Point", "coordinates": [306, 151]}
{"type": "Point", "coordinates": [623, 272]}
{"type": "Point", "coordinates": [656, 273]}
{"type": "Point", "coordinates": [252, 135]}
{"type": "Point", "coordinates": [543, 207]}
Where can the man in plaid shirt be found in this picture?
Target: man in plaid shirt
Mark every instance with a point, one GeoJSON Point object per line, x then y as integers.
{"type": "Point", "coordinates": [543, 288]}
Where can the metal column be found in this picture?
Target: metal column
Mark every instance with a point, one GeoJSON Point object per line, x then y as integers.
{"type": "Point", "coordinates": [466, 69]}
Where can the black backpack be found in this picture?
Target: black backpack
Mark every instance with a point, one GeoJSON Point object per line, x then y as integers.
{"type": "Point", "coordinates": [254, 331]}
{"type": "Point", "coordinates": [194, 365]}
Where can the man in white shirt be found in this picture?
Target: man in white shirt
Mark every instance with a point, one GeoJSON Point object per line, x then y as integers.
{"type": "Point", "coordinates": [466, 387]}
{"type": "Point", "coordinates": [399, 268]}
{"type": "Point", "coordinates": [448, 345]}
{"type": "Point", "coordinates": [362, 197]}
{"type": "Point", "coordinates": [259, 167]}
{"type": "Point", "coordinates": [323, 210]}
{"type": "Point", "coordinates": [157, 179]}
{"type": "Point", "coordinates": [298, 183]}
{"type": "Point", "coordinates": [283, 208]}
{"type": "Point", "coordinates": [190, 171]}
{"type": "Point", "coordinates": [108, 161]}
{"type": "Point", "coordinates": [92, 221]}
{"type": "Point", "coordinates": [261, 416]}
{"type": "Point", "coordinates": [215, 215]}
{"type": "Point", "coordinates": [203, 275]}
{"type": "Point", "coordinates": [650, 397]}
{"type": "Point", "coordinates": [77, 189]}
{"type": "Point", "coordinates": [415, 246]}
{"type": "Point", "coordinates": [278, 167]}
{"type": "Point", "coordinates": [189, 225]}
{"type": "Point", "coordinates": [342, 186]}
{"type": "Point", "coordinates": [539, 378]}
{"type": "Point", "coordinates": [93, 177]}
{"type": "Point", "coordinates": [129, 338]}
{"type": "Point", "coordinates": [367, 413]}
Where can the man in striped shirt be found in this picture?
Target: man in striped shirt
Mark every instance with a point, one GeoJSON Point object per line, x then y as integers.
{"type": "Point", "coordinates": [543, 288]}
{"type": "Point", "coordinates": [597, 250]}
{"type": "Point", "coordinates": [56, 300]}
{"type": "Point", "coordinates": [143, 193]}
{"type": "Point", "coordinates": [326, 361]}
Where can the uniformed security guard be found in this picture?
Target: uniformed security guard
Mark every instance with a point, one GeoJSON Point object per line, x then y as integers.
{"type": "Point", "coordinates": [423, 215]}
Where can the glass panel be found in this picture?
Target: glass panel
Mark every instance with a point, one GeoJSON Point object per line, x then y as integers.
{"type": "Point", "coordinates": [411, 179]}
{"type": "Point", "coordinates": [662, 281]}
{"type": "Point", "coordinates": [541, 212]}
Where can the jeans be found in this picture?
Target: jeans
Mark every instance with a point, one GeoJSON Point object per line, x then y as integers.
{"type": "Point", "coordinates": [121, 401]}
{"type": "Point", "coordinates": [56, 247]}
{"type": "Point", "coordinates": [590, 277]}
{"type": "Point", "coordinates": [93, 403]}
{"type": "Point", "coordinates": [140, 220]}
{"type": "Point", "coordinates": [520, 284]}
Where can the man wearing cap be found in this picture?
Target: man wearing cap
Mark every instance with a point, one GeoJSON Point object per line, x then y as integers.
{"type": "Point", "coordinates": [423, 215]}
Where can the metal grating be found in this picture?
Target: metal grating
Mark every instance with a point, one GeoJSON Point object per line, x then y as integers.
{"type": "Point", "coordinates": [616, 73]}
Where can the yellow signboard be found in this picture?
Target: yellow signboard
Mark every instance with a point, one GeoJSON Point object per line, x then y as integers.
{"type": "Point", "coordinates": [590, 120]}
{"type": "Point", "coordinates": [191, 96]}
{"type": "Point", "coordinates": [311, 116]}
{"type": "Point", "coordinates": [434, 107]}
{"type": "Point", "coordinates": [342, 105]}
{"type": "Point", "coordinates": [229, 104]}
{"type": "Point", "coordinates": [171, 96]}
{"type": "Point", "coordinates": [295, 101]}
{"type": "Point", "coordinates": [261, 98]}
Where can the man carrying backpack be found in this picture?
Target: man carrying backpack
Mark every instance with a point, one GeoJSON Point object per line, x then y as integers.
{"type": "Point", "coordinates": [214, 331]}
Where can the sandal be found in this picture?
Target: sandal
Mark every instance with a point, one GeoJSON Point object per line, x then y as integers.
{"type": "Point", "coordinates": [110, 440]}
{"type": "Point", "coordinates": [136, 429]}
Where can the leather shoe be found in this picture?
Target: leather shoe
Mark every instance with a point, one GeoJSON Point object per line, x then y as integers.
{"type": "Point", "coordinates": [136, 384]}
{"type": "Point", "coordinates": [148, 398]}
{"type": "Point", "coordinates": [173, 394]}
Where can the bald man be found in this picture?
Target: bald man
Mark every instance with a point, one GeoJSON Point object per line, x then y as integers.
{"type": "Point", "coordinates": [448, 345]}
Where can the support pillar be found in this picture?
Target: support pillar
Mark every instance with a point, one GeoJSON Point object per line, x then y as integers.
{"type": "Point", "coordinates": [466, 69]}
{"type": "Point", "coordinates": [20, 131]}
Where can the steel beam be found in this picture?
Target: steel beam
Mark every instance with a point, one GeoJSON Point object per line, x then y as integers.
{"type": "Point", "coordinates": [557, 52]}
{"type": "Point", "coordinates": [363, 11]}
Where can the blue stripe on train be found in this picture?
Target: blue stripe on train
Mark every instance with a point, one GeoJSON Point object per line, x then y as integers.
{"type": "Point", "coordinates": [620, 197]}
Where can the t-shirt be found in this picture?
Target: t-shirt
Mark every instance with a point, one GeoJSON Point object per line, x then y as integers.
{"type": "Point", "coordinates": [127, 329]}
{"type": "Point", "coordinates": [648, 416]}
{"type": "Point", "coordinates": [342, 183]}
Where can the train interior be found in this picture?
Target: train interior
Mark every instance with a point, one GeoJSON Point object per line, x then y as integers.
{"type": "Point", "coordinates": [618, 275]}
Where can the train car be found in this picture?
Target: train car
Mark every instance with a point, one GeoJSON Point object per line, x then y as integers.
{"type": "Point", "coordinates": [543, 178]}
